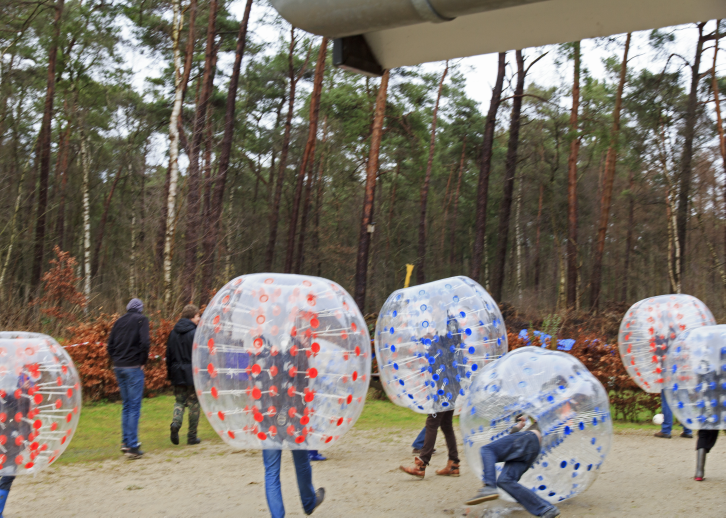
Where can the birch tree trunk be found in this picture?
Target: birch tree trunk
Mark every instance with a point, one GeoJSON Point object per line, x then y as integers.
{"type": "Point", "coordinates": [537, 252]}
{"type": "Point", "coordinates": [608, 182]}
{"type": "Point", "coordinates": [319, 200]}
{"type": "Point", "coordinates": [518, 236]}
{"type": "Point", "coordinates": [572, 185]}
{"type": "Point", "coordinates": [361, 267]}
{"type": "Point", "coordinates": [482, 196]}
{"type": "Point", "coordinates": [421, 270]}
{"type": "Point", "coordinates": [13, 229]}
{"type": "Point", "coordinates": [719, 118]}
{"type": "Point", "coordinates": [173, 153]}
{"type": "Point", "coordinates": [96, 258]}
{"type": "Point", "coordinates": [630, 233]}
{"type": "Point", "coordinates": [132, 266]}
{"type": "Point", "coordinates": [86, 219]}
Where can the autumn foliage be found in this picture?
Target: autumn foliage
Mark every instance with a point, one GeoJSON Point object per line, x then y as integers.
{"type": "Point", "coordinates": [61, 298]}
{"type": "Point", "coordinates": [87, 347]}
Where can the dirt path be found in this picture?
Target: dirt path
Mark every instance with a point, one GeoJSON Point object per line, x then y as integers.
{"type": "Point", "coordinates": [643, 477]}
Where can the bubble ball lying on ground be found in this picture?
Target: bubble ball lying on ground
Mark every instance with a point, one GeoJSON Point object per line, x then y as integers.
{"type": "Point", "coordinates": [569, 404]}
{"type": "Point", "coordinates": [649, 327]}
{"type": "Point", "coordinates": [431, 339]}
{"type": "Point", "coordinates": [695, 378]}
{"type": "Point", "coordinates": [40, 402]}
{"type": "Point", "coordinates": [281, 362]}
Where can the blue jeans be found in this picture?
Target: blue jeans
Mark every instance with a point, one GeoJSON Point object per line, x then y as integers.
{"type": "Point", "coordinates": [419, 442]}
{"type": "Point", "coordinates": [518, 451]}
{"type": "Point", "coordinates": [667, 425]}
{"type": "Point", "coordinates": [273, 490]}
{"type": "Point", "coordinates": [131, 384]}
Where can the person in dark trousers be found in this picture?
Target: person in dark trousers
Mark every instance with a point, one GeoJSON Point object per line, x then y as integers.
{"type": "Point", "coordinates": [518, 451]}
{"type": "Point", "coordinates": [418, 442]}
{"type": "Point", "coordinates": [179, 371]}
{"type": "Point", "coordinates": [128, 348]}
{"type": "Point", "coordinates": [441, 420]}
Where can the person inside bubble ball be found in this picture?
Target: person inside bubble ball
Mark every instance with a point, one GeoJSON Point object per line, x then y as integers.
{"type": "Point", "coordinates": [659, 346]}
{"type": "Point", "coordinates": [14, 404]}
{"type": "Point", "coordinates": [707, 377]}
{"type": "Point", "coordinates": [518, 451]}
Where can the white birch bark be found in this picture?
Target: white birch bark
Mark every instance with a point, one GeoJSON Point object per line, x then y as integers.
{"type": "Point", "coordinates": [13, 229]}
{"type": "Point", "coordinates": [518, 227]}
{"type": "Point", "coordinates": [86, 220]}
{"type": "Point", "coordinates": [173, 152]}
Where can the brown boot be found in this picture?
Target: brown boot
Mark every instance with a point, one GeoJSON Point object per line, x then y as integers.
{"type": "Point", "coordinates": [418, 470]}
{"type": "Point", "coordinates": [451, 469]}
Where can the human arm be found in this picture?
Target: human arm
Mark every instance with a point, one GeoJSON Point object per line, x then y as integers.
{"type": "Point", "coordinates": [144, 340]}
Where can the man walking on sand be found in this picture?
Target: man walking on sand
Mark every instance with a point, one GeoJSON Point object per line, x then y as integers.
{"type": "Point", "coordinates": [179, 371]}
{"type": "Point", "coordinates": [128, 348]}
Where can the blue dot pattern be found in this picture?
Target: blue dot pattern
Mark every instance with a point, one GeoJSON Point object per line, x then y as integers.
{"type": "Point", "coordinates": [431, 339]}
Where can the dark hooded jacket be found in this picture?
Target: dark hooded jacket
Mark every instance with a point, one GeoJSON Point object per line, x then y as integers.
{"type": "Point", "coordinates": [179, 353]}
{"type": "Point", "coordinates": [128, 343]}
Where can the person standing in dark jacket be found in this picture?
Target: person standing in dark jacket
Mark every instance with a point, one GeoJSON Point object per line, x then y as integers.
{"type": "Point", "coordinates": [128, 348]}
{"type": "Point", "coordinates": [179, 371]}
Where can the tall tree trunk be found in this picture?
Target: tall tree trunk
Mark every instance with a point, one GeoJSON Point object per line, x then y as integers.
{"type": "Point", "coordinates": [421, 270]}
{"type": "Point", "coordinates": [44, 150]}
{"type": "Point", "coordinates": [452, 244]}
{"type": "Point", "coordinates": [448, 197]}
{"type": "Point", "coordinates": [608, 182]}
{"type": "Point", "coordinates": [572, 185]}
{"type": "Point", "coordinates": [275, 207]}
{"type": "Point", "coordinates": [364, 237]}
{"type": "Point", "coordinates": [505, 210]}
{"type": "Point", "coordinates": [212, 236]}
{"type": "Point", "coordinates": [630, 233]}
{"type": "Point", "coordinates": [307, 160]}
{"type": "Point", "coordinates": [96, 258]}
{"type": "Point", "coordinates": [319, 201]}
{"type": "Point", "coordinates": [537, 250]}
{"type": "Point", "coordinates": [13, 230]}
{"type": "Point", "coordinates": [62, 168]}
{"type": "Point", "coordinates": [132, 266]}
{"type": "Point", "coordinates": [719, 118]}
{"type": "Point", "coordinates": [194, 180]}
{"type": "Point", "coordinates": [86, 218]}
{"type": "Point", "coordinates": [172, 172]}
{"type": "Point", "coordinates": [391, 207]}
{"type": "Point", "coordinates": [689, 131]}
{"type": "Point", "coordinates": [518, 236]}
{"type": "Point", "coordinates": [166, 236]}
{"type": "Point", "coordinates": [482, 196]}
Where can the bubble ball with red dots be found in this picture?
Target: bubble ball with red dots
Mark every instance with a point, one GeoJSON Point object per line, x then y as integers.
{"type": "Point", "coordinates": [569, 405]}
{"type": "Point", "coordinates": [431, 340]}
{"type": "Point", "coordinates": [695, 378]}
{"type": "Point", "coordinates": [282, 362]}
{"type": "Point", "coordinates": [40, 402]}
{"type": "Point", "coordinates": [650, 327]}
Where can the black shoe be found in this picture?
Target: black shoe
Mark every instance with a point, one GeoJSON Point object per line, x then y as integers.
{"type": "Point", "coordinates": [124, 449]}
{"type": "Point", "coordinates": [174, 436]}
{"type": "Point", "coordinates": [135, 453]}
{"type": "Point", "coordinates": [193, 440]}
{"type": "Point", "coordinates": [319, 497]}
{"type": "Point", "coordinates": [687, 435]}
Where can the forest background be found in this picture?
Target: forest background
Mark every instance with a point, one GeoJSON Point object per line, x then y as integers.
{"type": "Point", "coordinates": [160, 148]}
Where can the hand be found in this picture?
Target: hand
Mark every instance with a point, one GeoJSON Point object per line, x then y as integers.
{"type": "Point", "coordinates": [521, 421]}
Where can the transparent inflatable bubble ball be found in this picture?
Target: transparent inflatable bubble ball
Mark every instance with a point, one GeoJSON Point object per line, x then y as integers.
{"type": "Point", "coordinates": [281, 362]}
{"type": "Point", "coordinates": [40, 402]}
{"type": "Point", "coordinates": [650, 327]}
{"type": "Point", "coordinates": [568, 404]}
{"type": "Point", "coordinates": [432, 339]}
{"type": "Point", "coordinates": [695, 378]}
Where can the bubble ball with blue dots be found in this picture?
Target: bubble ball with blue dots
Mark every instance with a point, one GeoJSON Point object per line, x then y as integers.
{"type": "Point", "coordinates": [571, 409]}
{"type": "Point", "coordinates": [695, 378]}
{"type": "Point", "coordinates": [433, 338]}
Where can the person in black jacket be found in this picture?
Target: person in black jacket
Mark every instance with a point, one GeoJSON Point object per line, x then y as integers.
{"type": "Point", "coordinates": [179, 371]}
{"type": "Point", "coordinates": [128, 348]}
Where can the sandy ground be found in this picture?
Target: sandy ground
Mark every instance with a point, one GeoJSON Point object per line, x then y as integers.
{"type": "Point", "coordinates": [643, 476]}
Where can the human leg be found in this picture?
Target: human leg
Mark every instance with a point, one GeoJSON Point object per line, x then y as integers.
{"type": "Point", "coordinates": [447, 428]}
{"type": "Point", "coordinates": [123, 387]}
{"type": "Point", "coordinates": [433, 421]}
{"type": "Point", "coordinates": [419, 441]}
{"type": "Point", "coordinates": [304, 473]}
{"type": "Point", "coordinates": [509, 482]}
{"type": "Point", "coordinates": [273, 489]}
{"type": "Point", "coordinates": [193, 404]}
{"type": "Point", "coordinates": [706, 441]}
{"type": "Point", "coordinates": [5, 484]}
{"type": "Point", "coordinates": [136, 394]}
{"type": "Point", "coordinates": [667, 426]}
{"type": "Point", "coordinates": [180, 396]}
